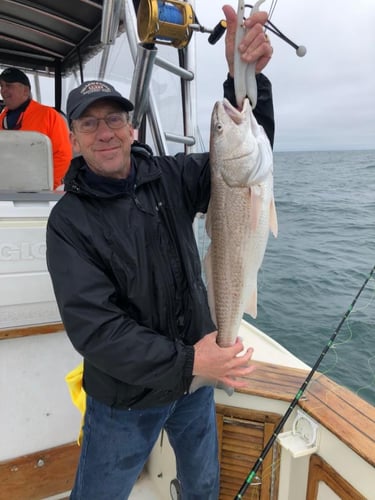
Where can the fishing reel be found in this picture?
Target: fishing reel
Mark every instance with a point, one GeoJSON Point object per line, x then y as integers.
{"type": "Point", "coordinates": [165, 22]}
{"type": "Point", "coordinates": [172, 22]}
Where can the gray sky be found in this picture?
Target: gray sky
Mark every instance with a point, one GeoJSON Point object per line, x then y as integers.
{"type": "Point", "coordinates": [325, 100]}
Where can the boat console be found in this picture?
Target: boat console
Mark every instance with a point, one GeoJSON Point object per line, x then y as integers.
{"type": "Point", "coordinates": [26, 199]}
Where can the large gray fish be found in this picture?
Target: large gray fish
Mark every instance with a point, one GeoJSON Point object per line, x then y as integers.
{"type": "Point", "coordinates": [240, 215]}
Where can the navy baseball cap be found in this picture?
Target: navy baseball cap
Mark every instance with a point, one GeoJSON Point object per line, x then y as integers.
{"type": "Point", "coordinates": [13, 75]}
{"type": "Point", "coordinates": [87, 93]}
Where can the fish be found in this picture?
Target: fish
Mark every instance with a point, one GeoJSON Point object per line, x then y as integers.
{"type": "Point", "coordinates": [240, 216]}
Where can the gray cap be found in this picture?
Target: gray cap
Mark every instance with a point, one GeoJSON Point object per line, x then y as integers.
{"type": "Point", "coordinates": [87, 93]}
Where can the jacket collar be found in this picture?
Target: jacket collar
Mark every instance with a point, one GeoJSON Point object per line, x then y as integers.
{"type": "Point", "coordinates": [80, 179]}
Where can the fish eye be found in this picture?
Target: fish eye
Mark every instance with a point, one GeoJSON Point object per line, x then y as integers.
{"type": "Point", "coordinates": [219, 127]}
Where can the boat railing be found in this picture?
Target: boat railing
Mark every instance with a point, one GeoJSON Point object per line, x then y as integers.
{"type": "Point", "coordinates": [188, 92]}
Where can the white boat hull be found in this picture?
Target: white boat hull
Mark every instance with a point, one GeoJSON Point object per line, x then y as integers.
{"type": "Point", "coordinates": [38, 415]}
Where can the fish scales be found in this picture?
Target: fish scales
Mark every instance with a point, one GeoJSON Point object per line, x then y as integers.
{"type": "Point", "coordinates": [227, 256]}
{"type": "Point", "coordinates": [239, 217]}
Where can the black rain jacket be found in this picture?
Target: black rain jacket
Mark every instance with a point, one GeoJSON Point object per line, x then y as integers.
{"type": "Point", "coordinates": [126, 270]}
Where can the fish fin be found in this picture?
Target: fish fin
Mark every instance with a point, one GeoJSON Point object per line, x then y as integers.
{"type": "Point", "coordinates": [251, 307]}
{"type": "Point", "coordinates": [229, 390]}
{"type": "Point", "coordinates": [255, 207]}
{"type": "Point", "coordinates": [273, 219]}
{"type": "Point", "coordinates": [209, 280]}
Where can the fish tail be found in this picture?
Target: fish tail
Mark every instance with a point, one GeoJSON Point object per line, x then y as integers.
{"type": "Point", "coordinates": [199, 382]}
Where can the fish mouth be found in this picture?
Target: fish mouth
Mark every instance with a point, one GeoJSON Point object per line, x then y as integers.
{"type": "Point", "coordinates": [235, 114]}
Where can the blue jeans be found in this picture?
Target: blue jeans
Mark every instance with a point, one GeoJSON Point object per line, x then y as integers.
{"type": "Point", "coordinates": [117, 442]}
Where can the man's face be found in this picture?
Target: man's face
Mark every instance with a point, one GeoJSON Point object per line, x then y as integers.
{"type": "Point", "coordinates": [106, 150]}
{"type": "Point", "coordinates": [14, 94]}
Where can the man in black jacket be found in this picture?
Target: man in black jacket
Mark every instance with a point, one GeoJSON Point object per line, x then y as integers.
{"type": "Point", "coordinates": [127, 277]}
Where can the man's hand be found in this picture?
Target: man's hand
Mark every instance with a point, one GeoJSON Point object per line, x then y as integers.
{"type": "Point", "coordinates": [255, 45]}
{"type": "Point", "coordinates": [222, 363]}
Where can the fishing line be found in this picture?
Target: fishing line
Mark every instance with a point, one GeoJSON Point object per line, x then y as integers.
{"type": "Point", "coordinates": [272, 9]}
{"type": "Point", "coordinates": [330, 364]}
{"type": "Point", "coordinates": [297, 397]}
{"type": "Point", "coordinates": [372, 370]}
{"type": "Point", "coordinates": [217, 32]}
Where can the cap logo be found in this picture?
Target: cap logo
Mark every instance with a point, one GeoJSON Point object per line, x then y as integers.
{"type": "Point", "coordinates": [93, 87]}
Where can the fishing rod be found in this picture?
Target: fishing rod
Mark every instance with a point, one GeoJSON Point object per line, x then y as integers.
{"type": "Point", "coordinates": [220, 28]}
{"type": "Point", "coordinates": [297, 397]}
{"type": "Point", "coordinates": [300, 49]}
{"type": "Point", "coordinates": [169, 24]}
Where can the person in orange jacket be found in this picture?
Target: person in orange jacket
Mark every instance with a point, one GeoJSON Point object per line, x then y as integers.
{"type": "Point", "coordinates": [22, 112]}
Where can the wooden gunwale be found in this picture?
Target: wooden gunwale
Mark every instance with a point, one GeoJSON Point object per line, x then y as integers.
{"type": "Point", "coordinates": [347, 416]}
{"type": "Point", "coordinates": [28, 331]}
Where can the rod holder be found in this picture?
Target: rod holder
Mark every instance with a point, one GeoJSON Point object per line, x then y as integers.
{"type": "Point", "coordinates": [303, 439]}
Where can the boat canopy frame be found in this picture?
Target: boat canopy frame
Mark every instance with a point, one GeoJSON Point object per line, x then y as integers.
{"type": "Point", "coordinates": [51, 37]}
{"type": "Point", "coordinates": [57, 39]}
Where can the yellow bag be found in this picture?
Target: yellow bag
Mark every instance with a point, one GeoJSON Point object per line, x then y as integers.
{"type": "Point", "coordinates": [77, 393]}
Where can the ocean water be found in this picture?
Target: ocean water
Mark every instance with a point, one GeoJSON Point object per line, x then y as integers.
{"type": "Point", "coordinates": [325, 250]}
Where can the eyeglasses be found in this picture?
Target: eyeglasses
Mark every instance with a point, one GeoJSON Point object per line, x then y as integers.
{"type": "Point", "coordinates": [89, 124]}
